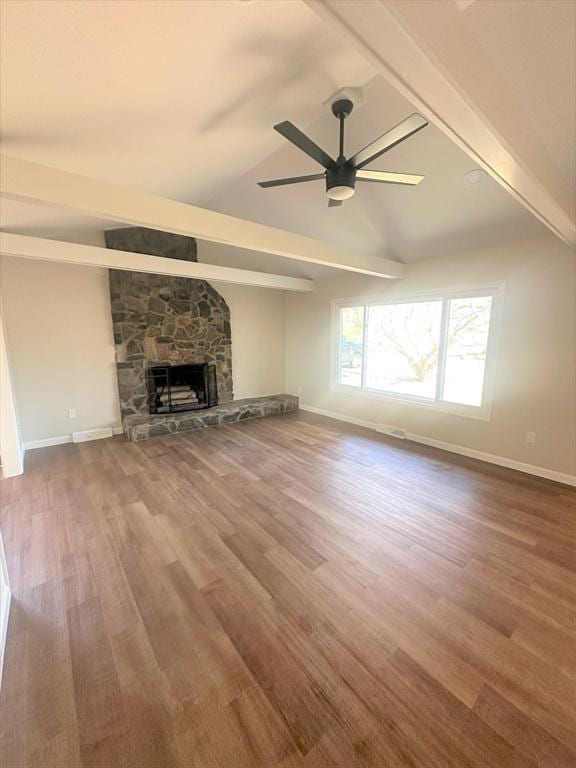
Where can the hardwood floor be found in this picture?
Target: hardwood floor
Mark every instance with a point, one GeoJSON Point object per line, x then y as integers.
{"type": "Point", "coordinates": [291, 592]}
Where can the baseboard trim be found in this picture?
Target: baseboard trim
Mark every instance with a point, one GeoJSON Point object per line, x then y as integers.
{"type": "Point", "coordinates": [501, 461]}
{"type": "Point", "coordinates": [339, 416]}
{"type": "Point", "coordinates": [490, 458]}
{"type": "Point", "coordinates": [60, 440]}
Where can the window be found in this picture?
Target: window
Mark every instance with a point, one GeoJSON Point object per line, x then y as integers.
{"type": "Point", "coordinates": [466, 347]}
{"type": "Point", "coordinates": [402, 348]}
{"type": "Point", "coordinates": [433, 350]}
{"type": "Point", "coordinates": [351, 345]}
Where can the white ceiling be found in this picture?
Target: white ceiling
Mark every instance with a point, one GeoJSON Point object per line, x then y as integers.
{"type": "Point", "coordinates": [440, 215]}
{"type": "Point", "coordinates": [179, 99]}
{"type": "Point", "coordinates": [171, 97]}
{"type": "Point", "coordinates": [518, 58]}
{"type": "Point", "coordinates": [544, 81]}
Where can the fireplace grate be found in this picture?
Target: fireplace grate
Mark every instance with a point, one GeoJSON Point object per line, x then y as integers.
{"type": "Point", "coordinates": [176, 388]}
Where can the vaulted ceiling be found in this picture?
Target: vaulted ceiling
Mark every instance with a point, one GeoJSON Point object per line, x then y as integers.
{"type": "Point", "coordinates": [440, 215]}
{"type": "Point", "coordinates": [518, 58]}
{"type": "Point", "coordinates": [179, 99]}
{"type": "Point", "coordinates": [172, 97]}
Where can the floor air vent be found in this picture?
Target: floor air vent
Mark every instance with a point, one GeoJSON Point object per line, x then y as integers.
{"type": "Point", "coordinates": [91, 434]}
{"type": "Point", "coordinates": [388, 429]}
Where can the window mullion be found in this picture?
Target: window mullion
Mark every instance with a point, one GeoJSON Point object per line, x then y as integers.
{"type": "Point", "coordinates": [442, 350]}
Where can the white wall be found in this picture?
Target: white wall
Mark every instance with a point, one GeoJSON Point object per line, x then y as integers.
{"type": "Point", "coordinates": [257, 321]}
{"type": "Point", "coordinates": [535, 380]}
{"type": "Point", "coordinates": [11, 448]}
{"type": "Point", "coordinates": [59, 327]}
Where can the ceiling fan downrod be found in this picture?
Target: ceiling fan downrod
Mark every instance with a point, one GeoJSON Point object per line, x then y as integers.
{"type": "Point", "coordinates": [341, 109]}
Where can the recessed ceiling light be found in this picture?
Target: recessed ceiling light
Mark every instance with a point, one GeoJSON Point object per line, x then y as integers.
{"type": "Point", "coordinates": [475, 177]}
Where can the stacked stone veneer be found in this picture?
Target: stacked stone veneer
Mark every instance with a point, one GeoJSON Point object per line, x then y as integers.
{"type": "Point", "coordinates": [160, 319]}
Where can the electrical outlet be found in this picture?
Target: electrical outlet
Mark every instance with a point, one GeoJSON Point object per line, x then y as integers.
{"type": "Point", "coordinates": [531, 437]}
{"type": "Point", "coordinates": [71, 413]}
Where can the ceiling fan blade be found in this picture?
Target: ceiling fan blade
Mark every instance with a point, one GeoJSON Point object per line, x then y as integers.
{"type": "Point", "coordinates": [291, 180]}
{"type": "Point", "coordinates": [408, 179]}
{"type": "Point", "coordinates": [299, 139]}
{"type": "Point", "coordinates": [333, 203]}
{"type": "Point", "coordinates": [388, 140]}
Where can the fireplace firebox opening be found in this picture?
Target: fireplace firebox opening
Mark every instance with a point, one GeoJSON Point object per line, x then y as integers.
{"type": "Point", "coordinates": [176, 388]}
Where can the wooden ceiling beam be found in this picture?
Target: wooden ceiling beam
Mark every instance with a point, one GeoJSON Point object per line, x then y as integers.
{"type": "Point", "coordinates": [24, 246]}
{"type": "Point", "coordinates": [35, 183]}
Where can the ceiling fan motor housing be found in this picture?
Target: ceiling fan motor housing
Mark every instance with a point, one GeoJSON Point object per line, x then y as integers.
{"type": "Point", "coordinates": [342, 108]}
{"type": "Point", "coordinates": [340, 181]}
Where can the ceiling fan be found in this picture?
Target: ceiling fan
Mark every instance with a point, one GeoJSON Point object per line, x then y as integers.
{"type": "Point", "coordinates": [342, 174]}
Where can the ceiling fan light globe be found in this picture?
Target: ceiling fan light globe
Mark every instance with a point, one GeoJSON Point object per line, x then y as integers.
{"type": "Point", "coordinates": [340, 192]}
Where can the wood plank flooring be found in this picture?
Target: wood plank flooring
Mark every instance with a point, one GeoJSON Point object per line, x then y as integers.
{"type": "Point", "coordinates": [290, 592]}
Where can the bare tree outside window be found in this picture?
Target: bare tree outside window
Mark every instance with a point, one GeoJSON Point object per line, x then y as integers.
{"type": "Point", "coordinates": [402, 345]}
{"type": "Point", "coordinates": [402, 349]}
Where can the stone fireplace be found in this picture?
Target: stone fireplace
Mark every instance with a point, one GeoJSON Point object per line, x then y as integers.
{"type": "Point", "coordinates": [160, 320]}
{"type": "Point", "coordinates": [167, 326]}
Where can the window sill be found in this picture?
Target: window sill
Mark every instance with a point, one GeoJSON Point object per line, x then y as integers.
{"type": "Point", "coordinates": [453, 409]}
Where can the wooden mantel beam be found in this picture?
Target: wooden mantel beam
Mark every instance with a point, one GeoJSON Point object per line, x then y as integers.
{"type": "Point", "coordinates": [40, 248]}
{"type": "Point", "coordinates": [35, 183]}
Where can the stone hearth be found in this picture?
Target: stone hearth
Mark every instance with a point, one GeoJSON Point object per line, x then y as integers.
{"type": "Point", "coordinates": [143, 426]}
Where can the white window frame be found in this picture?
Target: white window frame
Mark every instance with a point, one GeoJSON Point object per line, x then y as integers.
{"type": "Point", "coordinates": [482, 412]}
